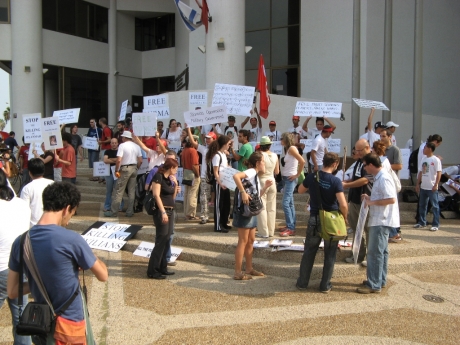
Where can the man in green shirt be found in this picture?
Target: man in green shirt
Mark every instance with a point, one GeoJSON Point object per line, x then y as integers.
{"type": "Point", "coordinates": [245, 151]}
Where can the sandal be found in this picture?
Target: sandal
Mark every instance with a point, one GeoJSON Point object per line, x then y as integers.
{"type": "Point", "coordinates": [241, 276]}
{"type": "Point", "coordinates": [255, 273]}
{"type": "Point", "coordinates": [192, 218]}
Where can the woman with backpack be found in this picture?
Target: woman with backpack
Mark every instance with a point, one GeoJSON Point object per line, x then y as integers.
{"type": "Point", "coordinates": [217, 158]}
{"type": "Point", "coordinates": [247, 225]}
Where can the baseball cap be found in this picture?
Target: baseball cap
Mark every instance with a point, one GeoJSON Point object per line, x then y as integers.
{"type": "Point", "coordinates": [391, 124]}
{"type": "Point", "coordinates": [211, 135]}
{"type": "Point", "coordinates": [272, 123]}
{"type": "Point", "coordinates": [257, 147]}
{"type": "Point", "coordinates": [296, 117]}
{"type": "Point", "coordinates": [328, 129]}
{"type": "Point", "coordinates": [379, 124]}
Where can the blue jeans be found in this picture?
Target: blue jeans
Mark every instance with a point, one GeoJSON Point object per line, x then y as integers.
{"type": "Point", "coordinates": [432, 197]}
{"type": "Point", "coordinates": [93, 156]}
{"type": "Point", "coordinates": [312, 242]}
{"type": "Point", "coordinates": [109, 183]}
{"type": "Point", "coordinates": [377, 256]}
{"type": "Point", "coordinates": [13, 304]}
{"type": "Point", "coordinates": [288, 202]}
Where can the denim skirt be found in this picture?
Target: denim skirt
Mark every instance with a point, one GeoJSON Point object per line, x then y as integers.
{"type": "Point", "coordinates": [240, 221]}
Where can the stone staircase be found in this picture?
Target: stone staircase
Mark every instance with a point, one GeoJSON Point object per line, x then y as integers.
{"type": "Point", "coordinates": [419, 250]}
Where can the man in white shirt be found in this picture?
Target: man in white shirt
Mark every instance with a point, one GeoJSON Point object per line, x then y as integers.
{"type": "Point", "coordinates": [32, 192]}
{"type": "Point", "coordinates": [312, 133]}
{"type": "Point", "coordinates": [392, 127]}
{"type": "Point", "coordinates": [231, 130]}
{"type": "Point", "coordinates": [256, 127]}
{"type": "Point", "coordinates": [319, 148]}
{"type": "Point", "coordinates": [383, 215]}
{"type": "Point", "coordinates": [129, 159]}
{"type": "Point", "coordinates": [273, 134]}
{"type": "Point", "coordinates": [296, 129]}
{"type": "Point", "coordinates": [372, 135]}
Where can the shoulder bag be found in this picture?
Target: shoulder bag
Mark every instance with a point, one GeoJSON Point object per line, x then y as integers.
{"type": "Point", "coordinates": [255, 205]}
{"type": "Point", "coordinates": [150, 204]}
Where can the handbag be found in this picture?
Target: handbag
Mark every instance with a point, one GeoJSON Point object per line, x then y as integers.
{"type": "Point", "coordinates": [188, 177]}
{"type": "Point", "coordinates": [150, 204]}
{"type": "Point", "coordinates": [255, 205]}
{"type": "Point", "coordinates": [333, 227]}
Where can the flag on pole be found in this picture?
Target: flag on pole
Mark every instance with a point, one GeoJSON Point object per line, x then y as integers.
{"type": "Point", "coordinates": [190, 17]}
{"type": "Point", "coordinates": [263, 89]}
{"type": "Point", "coordinates": [204, 14]}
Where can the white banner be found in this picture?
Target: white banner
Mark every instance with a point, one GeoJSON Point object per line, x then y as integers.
{"type": "Point", "coordinates": [37, 146]}
{"type": "Point", "coordinates": [67, 115]}
{"type": "Point", "coordinates": [364, 103]}
{"type": "Point", "coordinates": [226, 177]}
{"type": "Point", "coordinates": [359, 230]}
{"type": "Point", "coordinates": [404, 173]}
{"type": "Point", "coordinates": [114, 227]}
{"type": "Point", "coordinates": [90, 143]}
{"type": "Point", "coordinates": [101, 169]}
{"type": "Point", "coordinates": [307, 143]}
{"type": "Point", "coordinates": [158, 101]}
{"type": "Point", "coordinates": [32, 128]}
{"type": "Point", "coordinates": [108, 234]}
{"type": "Point", "coordinates": [206, 116]}
{"type": "Point", "coordinates": [145, 249]}
{"type": "Point", "coordinates": [318, 109]}
{"type": "Point", "coordinates": [277, 147]}
{"type": "Point", "coordinates": [51, 133]}
{"type": "Point", "coordinates": [237, 98]}
{"type": "Point", "coordinates": [124, 106]}
{"type": "Point", "coordinates": [197, 100]}
{"type": "Point", "coordinates": [145, 124]}
{"type": "Point", "coordinates": [334, 145]}
{"type": "Point", "coordinates": [161, 113]}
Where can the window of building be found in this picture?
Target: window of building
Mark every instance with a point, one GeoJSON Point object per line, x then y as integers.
{"type": "Point", "coordinates": [275, 33]}
{"type": "Point", "coordinates": [4, 11]}
{"type": "Point", "coordinates": [76, 17]}
{"type": "Point", "coordinates": [155, 33]}
{"type": "Point", "coordinates": [156, 86]}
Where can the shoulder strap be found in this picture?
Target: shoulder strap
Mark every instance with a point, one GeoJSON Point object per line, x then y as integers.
{"type": "Point", "coordinates": [21, 271]}
{"type": "Point", "coordinates": [319, 191]}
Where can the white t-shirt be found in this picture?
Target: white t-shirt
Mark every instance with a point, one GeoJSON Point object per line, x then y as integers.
{"type": "Point", "coordinates": [254, 137]}
{"type": "Point", "coordinates": [274, 136]}
{"type": "Point", "coordinates": [172, 136]}
{"type": "Point", "coordinates": [155, 159]}
{"type": "Point", "coordinates": [203, 150]}
{"type": "Point", "coordinates": [215, 160]}
{"type": "Point", "coordinates": [129, 151]}
{"type": "Point", "coordinates": [232, 133]}
{"type": "Point", "coordinates": [312, 133]}
{"type": "Point", "coordinates": [370, 136]}
{"type": "Point", "coordinates": [251, 177]}
{"type": "Point", "coordinates": [429, 168]}
{"type": "Point", "coordinates": [299, 131]}
{"type": "Point", "coordinates": [290, 164]}
{"type": "Point", "coordinates": [319, 144]}
{"type": "Point", "coordinates": [15, 216]}
{"type": "Point", "coordinates": [32, 195]}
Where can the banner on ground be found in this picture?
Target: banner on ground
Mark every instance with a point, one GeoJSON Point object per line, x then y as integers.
{"type": "Point", "coordinates": [364, 103]}
{"type": "Point", "coordinates": [32, 128]}
{"type": "Point", "coordinates": [359, 230]}
{"type": "Point", "coordinates": [51, 133]}
{"type": "Point", "coordinates": [67, 115]}
{"type": "Point", "coordinates": [197, 100]}
{"type": "Point", "coordinates": [145, 249]}
{"type": "Point", "coordinates": [145, 124]}
{"type": "Point", "coordinates": [318, 109]}
{"type": "Point", "coordinates": [206, 116]}
{"type": "Point", "coordinates": [124, 106]}
{"type": "Point", "coordinates": [238, 98]}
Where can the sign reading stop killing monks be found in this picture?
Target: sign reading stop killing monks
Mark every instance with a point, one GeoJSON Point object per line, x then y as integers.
{"type": "Point", "coordinates": [32, 128]}
{"type": "Point", "coordinates": [206, 116]}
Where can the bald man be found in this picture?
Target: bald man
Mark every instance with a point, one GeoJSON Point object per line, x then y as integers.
{"type": "Point", "coordinates": [361, 183]}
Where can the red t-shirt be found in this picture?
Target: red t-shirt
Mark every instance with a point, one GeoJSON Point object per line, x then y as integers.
{"type": "Point", "coordinates": [150, 142]}
{"type": "Point", "coordinates": [189, 157]}
{"type": "Point", "coordinates": [68, 154]}
{"type": "Point", "coordinates": [106, 134]}
{"type": "Point", "coordinates": [24, 153]}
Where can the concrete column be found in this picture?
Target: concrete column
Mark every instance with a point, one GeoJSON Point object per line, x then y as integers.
{"type": "Point", "coordinates": [26, 51]}
{"type": "Point", "coordinates": [182, 41]}
{"type": "Point", "coordinates": [112, 82]}
{"type": "Point", "coordinates": [387, 59]}
{"type": "Point", "coordinates": [418, 75]}
{"type": "Point", "coordinates": [228, 23]}
{"type": "Point", "coordinates": [356, 70]}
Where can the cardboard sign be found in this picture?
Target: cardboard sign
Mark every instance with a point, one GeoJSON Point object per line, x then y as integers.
{"type": "Point", "coordinates": [37, 146]}
{"type": "Point", "coordinates": [359, 230]}
{"type": "Point", "coordinates": [334, 145]}
{"type": "Point", "coordinates": [226, 177]}
{"type": "Point", "coordinates": [277, 147]}
{"type": "Point", "coordinates": [197, 100]}
{"type": "Point", "coordinates": [364, 103]}
{"type": "Point", "coordinates": [110, 234]}
{"type": "Point", "coordinates": [237, 98]}
{"type": "Point", "coordinates": [179, 176]}
{"type": "Point", "coordinates": [109, 245]}
{"type": "Point", "coordinates": [145, 124]}
{"type": "Point", "coordinates": [159, 103]}
{"type": "Point", "coordinates": [114, 227]}
{"type": "Point", "coordinates": [404, 173]}
{"type": "Point", "coordinates": [90, 143]}
{"type": "Point", "coordinates": [67, 115]}
{"type": "Point", "coordinates": [206, 116]}
{"type": "Point", "coordinates": [51, 133]}
{"type": "Point", "coordinates": [124, 106]}
{"type": "Point", "coordinates": [318, 109]}
{"type": "Point", "coordinates": [32, 128]}
{"type": "Point", "coordinates": [146, 248]}
{"type": "Point", "coordinates": [307, 143]}
{"type": "Point", "coordinates": [101, 169]}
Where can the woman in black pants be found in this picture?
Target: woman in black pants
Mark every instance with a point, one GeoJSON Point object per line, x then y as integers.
{"type": "Point", "coordinates": [217, 156]}
{"type": "Point", "coordinates": [164, 188]}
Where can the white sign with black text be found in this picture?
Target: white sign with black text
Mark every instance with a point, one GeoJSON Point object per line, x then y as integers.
{"type": "Point", "coordinates": [145, 250]}
{"type": "Point", "coordinates": [159, 103]}
{"type": "Point", "coordinates": [32, 128]}
{"type": "Point", "coordinates": [237, 98]}
{"type": "Point", "coordinates": [124, 106]}
{"type": "Point", "coordinates": [51, 133]}
{"type": "Point", "coordinates": [318, 109]}
{"type": "Point", "coordinates": [67, 115]}
{"type": "Point", "coordinates": [226, 177]}
{"type": "Point", "coordinates": [90, 143]}
{"type": "Point", "coordinates": [364, 103]}
{"type": "Point", "coordinates": [206, 116]}
{"type": "Point", "coordinates": [101, 169]}
{"type": "Point", "coordinates": [145, 124]}
{"type": "Point", "coordinates": [197, 100]}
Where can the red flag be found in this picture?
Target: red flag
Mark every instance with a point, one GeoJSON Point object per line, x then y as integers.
{"type": "Point", "coordinates": [263, 89]}
{"type": "Point", "coordinates": [204, 14]}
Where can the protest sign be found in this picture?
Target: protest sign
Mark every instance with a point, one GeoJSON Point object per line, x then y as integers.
{"type": "Point", "coordinates": [197, 100]}
{"type": "Point", "coordinates": [67, 115]}
{"type": "Point", "coordinates": [364, 103]}
{"type": "Point", "coordinates": [51, 133]}
{"type": "Point", "coordinates": [145, 124]}
{"type": "Point", "coordinates": [334, 145]}
{"type": "Point", "coordinates": [307, 143]}
{"type": "Point", "coordinates": [109, 234]}
{"type": "Point", "coordinates": [226, 177]}
{"type": "Point", "coordinates": [37, 146]}
{"type": "Point", "coordinates": [261, 244]}
{"type": "Point", "coordinates": [101, 169]}
{"type": "Point", "coordinates": [32, 128]}
{"type": "Point", "coordinates": [179, 176]}
{"type": "Point", "coordinates": [90, 143]}
{"type": "Point", "coordinates": [159, 103]}
{"type": "Point", "coordinates": [359, 230]}
{"type": "Point", "coordinates": [124, 106]}
{"type": "Point", "coordinates": [145, 249]}
{"type": "Point", "coordinates": [110, 245]}
{"type": "Point", "coordinates": [237, 98]}
{"type": "Point", "coordinates": [114, 227]}
{"type": "Point", "coordinates": [277, 147]}
{"type": "Point", "coordinates": [404, 173]}
{"type": "Point", "coordinates": [129, 229]}
{"type": "Point", "coordinates": [206, 116]}
{"type": "Point", "coordinates": [144, 167]}
{"type": "Point", "coordinates": [318, 109]}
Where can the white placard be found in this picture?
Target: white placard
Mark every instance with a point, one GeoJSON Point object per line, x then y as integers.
{"type": "Point", "coordinates": [206, 116]}
{"type": "Point", "coordinates": [158, 101]}
{"type": "Point", "coordinates": [197, 99]}
{"type": "Point", "coordinates": [179, 176]}
{"type": "Point", "coordinates": [364, 103]}
{"type": "Point", "coordinates": [280, 243]}
{"type": "Point", "coordinates": [32, 128]}
{"type": "Point", "coordinates": [67, 115]}
{"type": "Point", "coordinates": [334, 146]}
{"type": "Point", "coordinates": [145, 249]}
{"type": "Point", "coordinates": [51, 133]}
{"type": "Point", "coordinates": [37, 146]}
{"type": "Point", "coordinates": [110, 245]}
{"type": "Point", "coordinates": [226, 177]}
{"type": "Point", "coordinates": [161, 113]}
{"type": "Point", "coordinates": [114, 226]}
{"type": "Point", "coordinates": [297, 247]}
{"type": "Point", "coordinates": [307, 143]}
{"type": "Point", "coordinates": [261, 244]}
{"type": "Point", "coordinates": [90, 143]}
{"type": "Point", "coordinates": [144, 166]}
{"type": "Point", "coordinates": [359, 230]}
{"type": "Point", "coordinates": [101, 169]}
{"type": "Point", "coordinates": [145, 124]}
{"type": "Point", "coordinates": [113, 172]}
{"type": "Point", "coordinates": [404, 173]}
{"type": "Point", "coordinates": [124, 106]}
{"type": "Point", "coordinates": [109, 234]}
{"type": "Point", "coordinates": [318, 109]}
{"type": "Point", "coordinates": [277, 147]}
{"type": "Point", "coordinates": [237, 98]}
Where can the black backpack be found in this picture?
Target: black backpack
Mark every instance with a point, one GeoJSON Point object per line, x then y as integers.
{"type": "Point", "coordinates": [410, 196]}
{"type": "Point", "coordinates": [210, 178]}
{"type": "Point", "coordinates": [227, 127]}
{"type": "Point", "coordinates": [413, 162]}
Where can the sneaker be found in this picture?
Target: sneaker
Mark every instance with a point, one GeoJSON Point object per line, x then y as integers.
{"type": "Point", "coordinates": [366, 290]}
{"type": "Point", "coordinates": [326, 291]}
{"type": "Point", "coordinates": [364, 263]}
{"type": "Point", "coordinates": [365, 284]}
{"type": "Point", "coordinates": [172, 263]}
{"type": "Point", "coordinates": [418, 226]}
{"type": "Point", "coordinates": [109, 214]}
{"type": "Point", "coordinates": [287, 232]}
{"type": "Point", "coordinates": [300, 288]}
{"type": "Point", "coordinates": [261, 236]}
{"type": "Point", "coordinates": [350, 260]}
{"type": "Point", "coordinates": [203, 221]}
{"type": "Point", "coordinates": [434, 228]}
